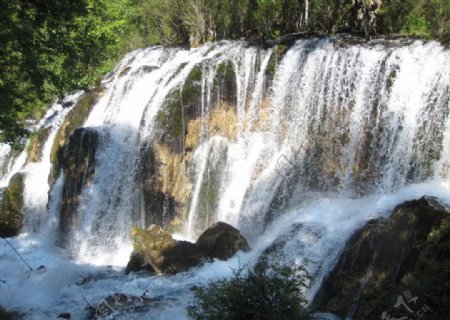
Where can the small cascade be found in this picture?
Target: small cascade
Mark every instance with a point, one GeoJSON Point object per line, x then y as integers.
{"type": "Point", "coordinates": [34, 164]}
{"type": "Point", "coordinates": [36, 183]}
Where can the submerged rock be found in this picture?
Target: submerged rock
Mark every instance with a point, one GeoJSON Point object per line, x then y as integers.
{"type": "Point", "coordinates": [6, 315]}
{"type": "Point", "coordinates": [156, 251]}
{"type": "Point", "coordinates": [396, 267]}
{"type": "Point", "coordinates": [11, 215]}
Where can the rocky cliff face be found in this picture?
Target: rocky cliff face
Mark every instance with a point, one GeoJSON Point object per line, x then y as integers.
{"type": "Point", "coordinates": [396, 267]}
{"type": "Point", "coordinates": [78, 164]}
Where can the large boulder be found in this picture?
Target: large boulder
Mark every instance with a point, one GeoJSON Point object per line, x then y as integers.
{"type": "Point", "coordinates": [11, 215]}
{"type": "Point", "coordinates": [394, 264]}
{"type": "Point", "coordinates": [222, 241]}
{"type": "Point", "coordinates": [156, 251]}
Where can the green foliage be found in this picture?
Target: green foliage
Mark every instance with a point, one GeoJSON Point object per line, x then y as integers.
{"type": "Point", "coordinates": [49, 48]}
{"type": "Point", "coordinates": [425, 18]}
{"type": "Point", "coordinates": [197, 21]}
{"type": "Point", "coordinates": [53, 47]}
{"type": "Point", "coordinates": [268, 292]}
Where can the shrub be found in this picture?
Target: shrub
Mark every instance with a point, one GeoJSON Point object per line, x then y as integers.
{"type": "Point", "coordinates": [266, 292]}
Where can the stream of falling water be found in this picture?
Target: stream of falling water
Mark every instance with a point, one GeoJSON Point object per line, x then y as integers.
{"type": "Point", "coordinates": [335, 135]}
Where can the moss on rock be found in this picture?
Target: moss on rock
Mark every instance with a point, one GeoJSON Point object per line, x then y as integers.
{"type": "Point", "coordinates": [36, 144]}
{"type": "Point", "coordinates": [11, 216]}
{"type": "Point", "coordinates": [224, 85]}
{"type": "Point", "coordinates": [171, 116]}
{"type": "Point", "coordinates": [156, 251]}
{"type": "Point", "coordinates": [192, 89]}
{"type": "Point", "coordinates": [74, 119]}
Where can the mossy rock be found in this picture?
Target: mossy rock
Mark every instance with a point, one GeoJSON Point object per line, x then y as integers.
{"type": "Point", "coordinates": [11, 216]}
{"type": "Point", "coordinates": [36, 145]}
{"type": "Point", "coordinates": [225, 85]}
{"type": "Point", "coordinates": [156, 251]}
{"type": "Point", "coordinates": [152, 239]}
{"type": "Point", "coordinates": [192, 88]}
{"type": "Point", "coordinates": [170, 116]}
{"type": "Point", "coordinates": [74, 119]}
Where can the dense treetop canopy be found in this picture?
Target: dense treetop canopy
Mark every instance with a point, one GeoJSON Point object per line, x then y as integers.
{"type": "Point", "coordinates": [51, 47]}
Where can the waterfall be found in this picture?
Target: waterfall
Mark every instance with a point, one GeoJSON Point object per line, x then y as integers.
{"type": "Point", "coordinates": [37, 171]}
{"type": "Point", "coordinates": [296, 149]}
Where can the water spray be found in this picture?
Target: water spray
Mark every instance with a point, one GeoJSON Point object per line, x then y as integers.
{"type": "Point", "coordinates": [17, 252]}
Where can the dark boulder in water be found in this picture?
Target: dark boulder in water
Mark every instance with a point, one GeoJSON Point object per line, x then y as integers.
{"type": "Point", "coordinates": [395, 267]}
{"type": "Point", "coordinates": [78, 164]}
{"type": "Point", "coordinates": [222, 241]}
{"type": "Point", "coordinates": [156, 251]}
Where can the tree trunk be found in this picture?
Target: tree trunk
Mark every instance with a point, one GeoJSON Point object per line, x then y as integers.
{"type": "Point", "coordinates": [306, 15]}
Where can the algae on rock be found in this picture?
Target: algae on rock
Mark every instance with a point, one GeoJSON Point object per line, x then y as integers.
{"type": "Point", "coordinates": [11, 215]}
{"type": "Point", "coordinates": [74, 119]}
{"type": "Point", "coordinates": [36, 144]}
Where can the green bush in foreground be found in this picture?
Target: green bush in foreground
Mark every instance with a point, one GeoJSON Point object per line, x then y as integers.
{"type": "Point", "coordinates": [264, 293]}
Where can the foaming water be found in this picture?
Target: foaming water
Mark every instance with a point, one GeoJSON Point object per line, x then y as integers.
{"type": "Point", "coordinates": [326, 223]}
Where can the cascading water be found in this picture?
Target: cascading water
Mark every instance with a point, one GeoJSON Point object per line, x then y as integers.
{"type": "Point", "coordinates": [298, 152]}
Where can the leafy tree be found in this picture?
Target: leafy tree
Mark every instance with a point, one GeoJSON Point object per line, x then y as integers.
{"type": "Point", "coordinates": [265, 293]}
{"type": "Point", "coordinates": [426, 18]}
{"type": "Point", "coordinates": [49, 48]}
